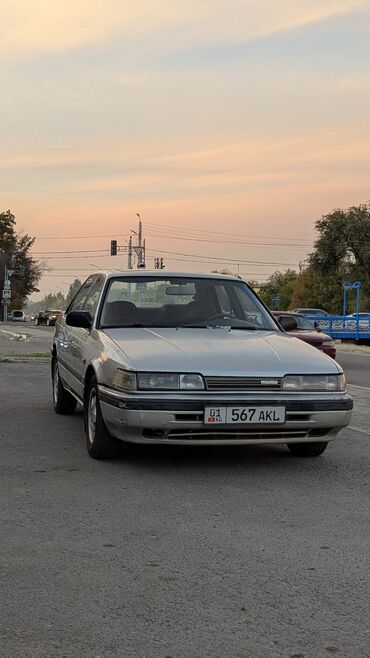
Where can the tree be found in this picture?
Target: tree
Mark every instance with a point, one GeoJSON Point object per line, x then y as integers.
{"type": "Point", "coordinates": [224, 271]}
{"type": "Point", "coordinates": [15, 253]}
{"type": "Point", "coordinates": [342, 253]}
{"type": "Point", "coordinates": [279, 287]}
{"type": "Point", "coordinates": [309, 290]}
{"type": "Point", "coordinates": [73, 288]}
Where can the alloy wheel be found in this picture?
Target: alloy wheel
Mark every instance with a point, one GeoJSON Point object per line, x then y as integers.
{"type": "Point", "coordinates": [91, 416]}
{"type": "Point", "coordinates": [56, 384]}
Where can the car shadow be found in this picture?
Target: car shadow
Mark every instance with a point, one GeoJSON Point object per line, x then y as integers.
{"type": "Point", "coordinates": [216, 457]}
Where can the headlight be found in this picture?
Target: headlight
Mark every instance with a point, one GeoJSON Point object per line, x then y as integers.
{"type": "Point", "coordinates": [314, 383]}
{"type": "Point", "coordinates": [168, 381]}
{"type": "Point", "coordinates": [125, 379]}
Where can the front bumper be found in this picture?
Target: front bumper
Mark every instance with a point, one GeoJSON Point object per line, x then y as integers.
{"type": "Point", "coordinates": [179, 419]}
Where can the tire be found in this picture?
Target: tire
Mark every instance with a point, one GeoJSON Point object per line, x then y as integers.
{"type": "Point", "coordinates": [100, 444]}
{"type": "Point", "coordinates": [63, 402]}
{"type": "Point", "coordinates": [313, 449]}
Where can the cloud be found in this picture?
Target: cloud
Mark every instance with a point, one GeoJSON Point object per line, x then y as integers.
{"type": "Point", "coordinates": [37, 27]}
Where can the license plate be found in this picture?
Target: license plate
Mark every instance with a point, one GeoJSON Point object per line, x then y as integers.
{"type": "Point", "coordinates": [244, 415]}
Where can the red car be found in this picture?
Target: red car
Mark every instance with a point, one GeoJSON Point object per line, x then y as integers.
{"type": "Point", "coordinates": [306, 330]}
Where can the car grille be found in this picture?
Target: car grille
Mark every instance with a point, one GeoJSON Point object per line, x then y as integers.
{"type": "Point", "coordinates": [243, 383]}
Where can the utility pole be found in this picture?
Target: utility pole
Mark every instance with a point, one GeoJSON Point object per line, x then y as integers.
{"type": "Point", "coordinates": [131, 249]}
{"type": "Point", "coordinates": [6, 292]}
{"type": "Point", "coordinates": [6, 296]}
{"type": "Point", "coordinates": [129, 254]}
{"type": "Point", "coordinates": [140, 249]}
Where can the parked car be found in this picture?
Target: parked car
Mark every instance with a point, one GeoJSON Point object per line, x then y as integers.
{"type": "Point", "coordinates": [363, 320]}
{"type": "Point", "coordinates": [310, 311]}
{"type": "Point", "coordinates": [162, 358]}
{"type": "Point", "coordinates": [18, 316]}
{"type": "Point", "coordinates": [306, 330]}
{"type": "Point", "coordinates": [48, 317]}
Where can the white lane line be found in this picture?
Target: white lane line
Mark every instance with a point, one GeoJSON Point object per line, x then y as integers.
{"type": "Point", "coordinates": [15, 335]}
{"type": "Point", "coordinates": [363, 388]}
{"type": "Point", "coordinates": [358, 429]}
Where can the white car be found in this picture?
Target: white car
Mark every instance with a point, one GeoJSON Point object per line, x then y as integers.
{"type": "Point", "coordinates": [170, 358]}
{"type": "Point", "coordinates": [18, 316]}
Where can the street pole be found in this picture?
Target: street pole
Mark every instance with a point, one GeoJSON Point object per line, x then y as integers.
{"type": "Point", "coordinates": [129, 254]}
{"type": "Point", "coordinates": [140, 250]}
{"type": "Point", "coordinates": [6, 294]}
{"type": "Point", "coordinates": [5, 301]}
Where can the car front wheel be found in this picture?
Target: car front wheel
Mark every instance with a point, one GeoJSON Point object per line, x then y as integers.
{"type": "Point", "coordinates": [100, 444]}
{"type": "Point", "coordinates": [313, 449]}
{"type": "Point", "coordinates": [63, 402]}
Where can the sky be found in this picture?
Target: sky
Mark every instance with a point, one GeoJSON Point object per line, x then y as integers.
{"type": "Point", "coordinates": [230, 126]}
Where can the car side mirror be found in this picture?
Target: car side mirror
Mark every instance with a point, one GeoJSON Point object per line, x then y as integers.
{"type": "Point", "coordinates": [288, 323]}
{"type": "Point", "coordinates": [80, 319]}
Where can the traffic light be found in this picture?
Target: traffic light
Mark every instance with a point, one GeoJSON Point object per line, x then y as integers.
{"type": "Point", "coordinates": [161, 265]}
{"type": "Point", "coordinates": [113, 247]}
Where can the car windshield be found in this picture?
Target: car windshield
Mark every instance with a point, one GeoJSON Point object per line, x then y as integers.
{"type": "Point", "coordinates": [183, 302]}
{"type": "Point", "coordinates": [304, 323]}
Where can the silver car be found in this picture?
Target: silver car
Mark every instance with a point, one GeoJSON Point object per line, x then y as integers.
{"type": "Point", "coordinates": [170, 358]}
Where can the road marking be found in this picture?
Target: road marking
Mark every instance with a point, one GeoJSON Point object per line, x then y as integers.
{"type": "Point", "coordinates": [364, 388]}
{"type": "Point", "coordinates": [358, 429]}
{"type": "Point", "coordinates": [12, 333]}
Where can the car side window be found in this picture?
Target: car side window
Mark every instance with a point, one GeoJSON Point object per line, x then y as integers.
{"type": "Point", "coordinates": [92, 298]}
{"type": "Point", "coordinates": [81, 297]}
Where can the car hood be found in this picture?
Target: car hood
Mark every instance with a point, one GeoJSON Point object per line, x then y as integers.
{"type": "Point", "coordinates": [218, 352]}
{"type": "Point", "coordinates": [310, 336]}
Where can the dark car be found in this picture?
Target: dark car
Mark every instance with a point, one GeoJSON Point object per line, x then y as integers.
{"type": "Point", "coordinates": [307, 330]}
{"type": "Point", "coordinates": [48, 317]}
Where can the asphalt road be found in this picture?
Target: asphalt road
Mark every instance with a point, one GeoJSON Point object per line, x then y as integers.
{"type": "Point", "coordinates": [33, 339]}
{"type": "Point", "coordinates": [176, 553]}
{"type": "Point", "coordinates": [356, 367]}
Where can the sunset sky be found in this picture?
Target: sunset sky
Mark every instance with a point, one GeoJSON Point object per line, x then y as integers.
{"type": "Point", "coordinates": [231, 126]}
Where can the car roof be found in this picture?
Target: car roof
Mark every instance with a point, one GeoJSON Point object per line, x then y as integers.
{"type": "Point", "coordinates": [308, 308]}
{"type": "Point", "coordinates": [110, 274]}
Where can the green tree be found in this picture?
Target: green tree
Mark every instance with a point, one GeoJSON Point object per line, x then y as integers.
{"type": "Point", "coordinates": [15, 253]}
{"type": "Point", "coordinates": [73, 288]}
{"type": "Point", "coordinates": [342, 252]}
{"type": "Point", "coordinates": [278, 285]}
{"type": "Point", "coordinates": [310, 289]}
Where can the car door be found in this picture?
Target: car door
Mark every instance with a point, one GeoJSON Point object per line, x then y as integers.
{"type": "Point", "coordinates": [79, 349]}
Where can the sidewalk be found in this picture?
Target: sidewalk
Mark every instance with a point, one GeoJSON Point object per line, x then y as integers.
{"type": "Point", "coordinates": [352, 348]}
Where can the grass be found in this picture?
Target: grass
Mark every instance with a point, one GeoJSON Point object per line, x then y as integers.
{"type": "Point", "coordinates": [9, 356]}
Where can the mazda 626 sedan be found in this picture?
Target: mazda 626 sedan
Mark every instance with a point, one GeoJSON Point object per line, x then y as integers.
{"type": "Point", "coordinates": [164, 358]}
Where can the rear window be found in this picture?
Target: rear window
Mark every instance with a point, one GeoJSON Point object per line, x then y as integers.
{"type": "Point", "coordinates": [17, 314]}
